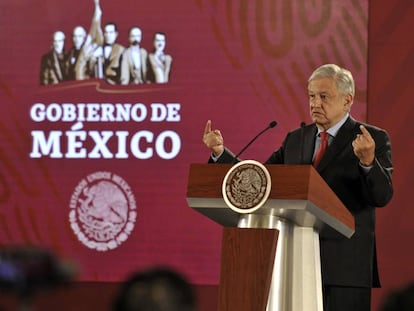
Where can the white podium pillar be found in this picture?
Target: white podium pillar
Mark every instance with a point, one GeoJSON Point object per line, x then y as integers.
{"type": "Point", "coordinates": [296, 279]}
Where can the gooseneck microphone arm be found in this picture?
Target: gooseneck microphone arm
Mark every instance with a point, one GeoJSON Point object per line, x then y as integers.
{"type": "Point", "coordinates": [271, 125]}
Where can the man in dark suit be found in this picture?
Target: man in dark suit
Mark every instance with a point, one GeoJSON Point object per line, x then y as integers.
{"type": "Point", "coordinates": [159, 63]}
{"type": "Point", "coordinates": [102, 62]}
{"type": "Point", "coordinates": [356, 165]}
{"type": "Point", "coordinates": [134, 59]}
{"type": "Point", "coordinates": [111, 54]}
{"type": "Point", "coordinates": [52, 65]}
{"type": "Point", "coordinates": [83, 46]}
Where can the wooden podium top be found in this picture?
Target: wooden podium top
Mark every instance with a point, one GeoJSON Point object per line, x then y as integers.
{"type": "Point", "coordinates": [298, 194]}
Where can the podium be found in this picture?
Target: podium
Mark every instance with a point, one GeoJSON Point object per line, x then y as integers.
{"type": "Point", "coordinates": [270, 258]}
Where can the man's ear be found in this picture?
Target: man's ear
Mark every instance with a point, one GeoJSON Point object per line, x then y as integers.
{"type": "Point", "coordinates": [348, 101]}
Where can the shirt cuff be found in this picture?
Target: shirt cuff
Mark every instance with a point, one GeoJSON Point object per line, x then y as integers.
{"type": "Point", "coordinates": [215, 158]}
{"type": "Point", "coordinates": [366, 169]}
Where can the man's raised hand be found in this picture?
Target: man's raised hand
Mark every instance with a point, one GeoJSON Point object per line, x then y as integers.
{"type": "Point", "coordinates": [213, 139]}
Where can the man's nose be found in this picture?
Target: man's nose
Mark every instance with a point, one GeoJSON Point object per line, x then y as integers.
{"type": "Point", "coordinates": [316, 102]}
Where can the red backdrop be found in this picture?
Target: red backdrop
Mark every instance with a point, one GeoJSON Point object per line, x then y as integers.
{"type": "Point", "coordinates": [390, 82]}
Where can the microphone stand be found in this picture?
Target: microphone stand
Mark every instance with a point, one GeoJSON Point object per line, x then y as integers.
{"type": "Point", "coordinates": [271, 125]}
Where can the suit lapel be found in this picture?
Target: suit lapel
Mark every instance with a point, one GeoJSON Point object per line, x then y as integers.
{"type": "Point", "coordinates": [308, 144]}
{"type": "Point", "coordinates": [342, 140]}
{"type": "Point", "coordinates": [56, 65]}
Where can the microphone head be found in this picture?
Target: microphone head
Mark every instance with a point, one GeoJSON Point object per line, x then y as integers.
{"type": "Point", "coordinates": [272, 124]}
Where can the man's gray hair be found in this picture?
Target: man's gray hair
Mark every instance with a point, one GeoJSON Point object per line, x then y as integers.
{"type": "Point", "coordinates": [343, 77]}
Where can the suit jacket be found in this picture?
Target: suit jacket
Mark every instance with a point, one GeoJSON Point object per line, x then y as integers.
{"type": "Point", "coordinates": [70, 64]}
{"type": "Point", "coordinates": [112, 65]}
{"type": "Point", "coordinates": [52, 68]}
{"type": "Point", "coordinates": [345, 262]}
{"type": "Point", "coordinates": [159, 71]}
{"type": "Point", "coordinates": [130, 74]}
{"type": "Point", "coordinates": [92, 64]}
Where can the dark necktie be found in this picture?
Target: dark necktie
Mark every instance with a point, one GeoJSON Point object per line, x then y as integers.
{"type": "Point", "coordinates": [322, 148]}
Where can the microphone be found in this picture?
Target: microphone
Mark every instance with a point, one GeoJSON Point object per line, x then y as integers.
{"type": "Point", "coordinates": [271, 125]}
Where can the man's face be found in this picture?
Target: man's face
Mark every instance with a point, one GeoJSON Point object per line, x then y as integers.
{"type": "Point", "coordinates": [135, 36]}
{"type": "Point", "coordinates": [110, 34]}
{"type": "Point", "coordinates": [327, 105]}
{"type": "Point", "coordinates": [78, 37]}
{"type": "Point", "coordinates": [159, 42]}
{"type": "Point", "coordinates": [58, 42]}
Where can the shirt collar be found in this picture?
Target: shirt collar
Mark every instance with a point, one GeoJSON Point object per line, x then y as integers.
{"type": "Point", "coordinates": [332, 131]}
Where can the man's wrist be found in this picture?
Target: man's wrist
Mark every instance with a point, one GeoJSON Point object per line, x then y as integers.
{"type": "Point", "coordinates": [216, 156]}
{"type": "Point", "coordinates": [217, 150]}
{"type": "Point", "coordinates": [366, 163]}
{"type": "Point", "coordinates": [366, 168]}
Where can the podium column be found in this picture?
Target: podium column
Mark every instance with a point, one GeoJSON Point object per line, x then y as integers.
{"type": "Point", "coordinates": [247, 259]}
{"type": "Point", "coordinates": [296, 283]}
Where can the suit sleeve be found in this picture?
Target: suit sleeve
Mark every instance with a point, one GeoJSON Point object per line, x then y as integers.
{"type": "Point", "coordinates": [276, 157]}
{"type": "Point", "coordinates": [226, 157]}
{"type": "Point", "coordinates": [378, 182]}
